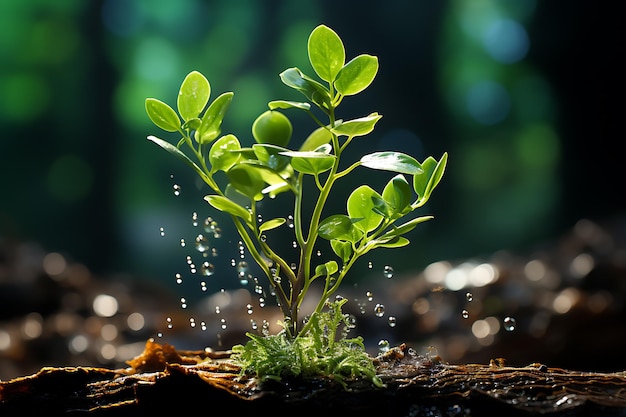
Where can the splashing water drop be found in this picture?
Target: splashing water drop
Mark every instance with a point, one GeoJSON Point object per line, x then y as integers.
{"type": "Point", "coordinates": [183, 302]}
{"type": "Point", "coordinates": [383, 345]}
{"type": "Point", "coordinates": [194, 219]}
{"type": "Point", "coordinates": [192, 322]}
{"type": "Point", "coordinates": [162, 231]}
{"type": "Point", "coordinates": [176, 189]}
{"type": "Point", "coordinates": [388, 272]}
{"type": "Point", "coordinates": [379, 310]}
{"type": "Point", "coordinates": [242, 268]}
{"type": "Point", "coordinates": [249, 309]}
{"type": "Point", "coordinates": [179, 279]}
{"type": "Point", "coordinates": [207, 269]}
{"type": "Point", "coordinates": [369, 295]}
{"type": "Point", "coordinates": [202, 244]}
{"type": "Point", "coordinates": [254, 324]}
{"type": "Point", "coordinates": [290, 221]}
{"type": "Point", "coordinates": [223, 324]}
{"type": "Point", "coordinates": [469, 297]}
{"type": "Point", "coordinates": [182, 243]}
{"type": "Point", "coordinates": [465, 314]}
{"type": "Point", "coordinates": [169, 322]}
{"type": "Point", "coordinates": [370, 264]}
{"type": "Point", "coordinates": [509, 324]}
{"type": "Point", "coordinates": [392, 321]}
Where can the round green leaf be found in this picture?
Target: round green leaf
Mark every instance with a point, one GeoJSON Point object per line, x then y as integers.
{"type": "Point", "coordinates": [397, 193]}
{"type": "Point", "coordinates": [221, 155]}
{"type": "Point", "coordinates": [361, 206]}
{"type": "Point", "coordinates": [310, 162]}
{"type": "Point", "coordinates": [327, 269]}
{"type": "Point", "coordinates": [162, 115]}
{"type": "Point", "coordinates": [342, 249]}
{"type": "Point", "coordinates": [337, 226]}
{"type": "Point", "coordinates": [193, 95]}
{"type": "Point", "coordinates": [357, 75]}
{"type": "Point", "coordinates": [247, 180]}
{"type": "Point", "coordinates": [392, 161]}
{"type": "Point", "coordinates": [317, 138]}
{"type": "Point", "coordinates": [213, 117]}
{"type": "Point", "coordinates": [326, 52]}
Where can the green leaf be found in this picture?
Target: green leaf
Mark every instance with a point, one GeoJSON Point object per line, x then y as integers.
{"type": "Point", "coordinates": [327, 269]}
{"type": "Point", "coordinates": [213, 116]}
{"type": "Point", "coordinates": [361, 205]}
{"type": "Point", "coordinates": [270, 155]}
{"type": "Point", "coordinates": [357, 127]}
{"type": "Point", "coordinates": [342, 249]}
{"type": "Point", "coordinates": [392, 161]}
{"type": "Point", "coordinates": [317, 138]}
{"type": "Point", "coordinates": [357, 75]}
{"type": "Point", "coordinates": [314, 91]}
{"type": "Point", "coordinates": [425, 183]}
{"type": "Point", "coordinates": [396, 242]}
{"type": "Point", "coordinates": [193, 95]}
{"type": "Point", "coordinates": [326, 52]}
{"type": "Point", "coordinates": [221, 155]}
{"type": "Point", "coordinates": [284, 104]}
{"type": "Point", "coordinates": [162, 115]}
{"type": "Point", "coordinates": [228, 206]}
{"type": "Point", "coordinates": [310, 162]}
{"type": "Point", "coordinates": [177, 153]}
{"type": "Point", "coordinates": [271, 224]}
{"type": "Point", "coordinates": [397, 193]}
{"type": "Point", "coordinates": [407, 227]}
{"type": "Point", "coordinates": [339, 226]}
{"type": "Point", "coordinates": [247, 180]}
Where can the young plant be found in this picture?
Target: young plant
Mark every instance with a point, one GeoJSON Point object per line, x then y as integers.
{"type": "Point", "coordinates": [242, 176]}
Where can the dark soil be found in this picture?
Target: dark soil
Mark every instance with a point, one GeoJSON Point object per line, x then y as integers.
{"type": "Point", "coordinates": [164, 381]}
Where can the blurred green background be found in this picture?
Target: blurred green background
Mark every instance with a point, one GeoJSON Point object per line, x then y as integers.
{"type": "Point", "coordinates": [520, 93]}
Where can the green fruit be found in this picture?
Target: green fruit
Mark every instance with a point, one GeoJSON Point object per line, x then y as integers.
{"type": "Point", "coordinates": [272, 127]}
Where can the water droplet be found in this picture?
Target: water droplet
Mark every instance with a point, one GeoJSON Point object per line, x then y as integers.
{"type": "Point", "coordinates": [465, 314]}
{"type": "Point", "coordinates": [168, 320]}
{"type": "Point", "coordinates": [388, 271]}
{"type": "Point", "coordinates": [254, 324]}
{"type": "Point", "coordinates": [469, 297]}
{"type": "Point", "coordinates": [369, 295]}
{"type": "Point", "coordinates": [217, 309]}
{"type": "Point", "coordinates": [202, 244]}
{"type": "Point", "coordinates": [249, 309]}
{"type": "Point", "coordinates": [194, 219]}
{"type": "Point", "coordinates": [162, 231]}
{"type": "Point", "coordinates": [319, 253]}
{"type": "Point", "coordinates": [179, 279]}
{"type": "Point", "coordinates": [290, 221]}
{"type": "Point", "coordinates": [223, 324]}
{"type": "Point", "coordinates": [176, 188]}
{"type": "Point", "coordinates": [183, 302]}
{"type": "Point", "coordinates": [192, 322]}
{"type": "Point", "coordinates": [242, 268]}
{"type": "Point", "coordinates": [383, 345]}
{"type": "Point", "coordinates": [207, 269]}
{"type": "Point", "coordinates": [392, 321]}
{"type": "Point", "coordinates": [379, 310]}
{"type": "Point", "coordinates": [509, 324]}
{"type": "Point", "coordinates": [182, 243]}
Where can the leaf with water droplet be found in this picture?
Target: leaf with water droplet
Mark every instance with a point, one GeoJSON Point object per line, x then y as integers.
{"type": "Point", "coordinates": [193, 95]}
{"type": "Point", "coordinates": [162, 115]}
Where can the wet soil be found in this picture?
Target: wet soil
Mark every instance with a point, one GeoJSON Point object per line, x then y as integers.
{"type": "Point", "coordinates": [163, 380]}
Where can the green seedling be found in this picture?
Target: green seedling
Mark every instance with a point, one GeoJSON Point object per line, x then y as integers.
{"type": "Point", "coordinates": [240, 177]}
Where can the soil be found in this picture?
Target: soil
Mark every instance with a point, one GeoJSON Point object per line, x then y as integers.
{"type": "Point", "coordinates": [164, 380]}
